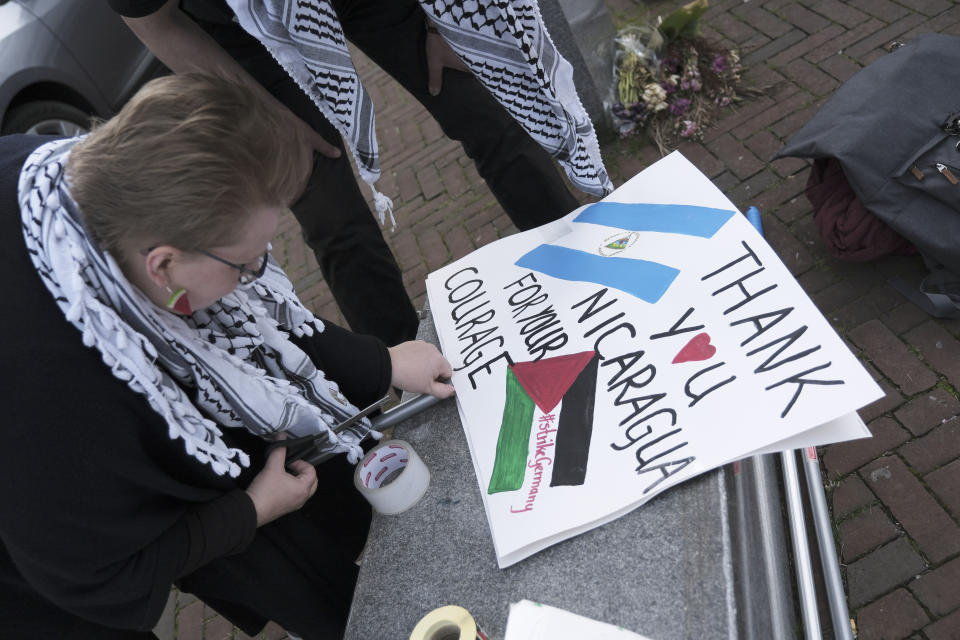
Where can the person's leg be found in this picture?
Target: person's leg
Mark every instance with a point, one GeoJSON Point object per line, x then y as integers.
{"type": "Point", "coordinates": [520, 174]}
{"type": "Point", "coordinates": [300, 570]}
{"type": "Point", "coordinates": [337, 223]}
{"type": "Point", "coordinates": [354, 258]}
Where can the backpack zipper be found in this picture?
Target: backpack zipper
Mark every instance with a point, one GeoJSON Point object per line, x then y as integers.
{"type": "Point", "coordinates": [947, 173]}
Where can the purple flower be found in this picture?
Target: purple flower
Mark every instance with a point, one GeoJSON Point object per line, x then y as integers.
{"type": "Point", "coordinates": [689, 129]}
{"type": "Point", "coordinates": [680, 106]}
{"type": "Point", "coordinates": [719, 63]}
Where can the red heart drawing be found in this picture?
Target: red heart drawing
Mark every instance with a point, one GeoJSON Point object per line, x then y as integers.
{"type": "Point", "coordinates": [699, 348]}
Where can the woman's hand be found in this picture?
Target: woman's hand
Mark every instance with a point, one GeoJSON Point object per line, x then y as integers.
{"type": "Point", "coordinates": [439, 57]}
{"type": "Point", "coordinates": [276, 492]}
{"type": "Point", "coordinates": [312, 139]}
{"type": "Point", "coordinates": [418, 366]}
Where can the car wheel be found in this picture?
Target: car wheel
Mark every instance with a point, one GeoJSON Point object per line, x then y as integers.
{"type": "Point", "coordinates": [46, 117]}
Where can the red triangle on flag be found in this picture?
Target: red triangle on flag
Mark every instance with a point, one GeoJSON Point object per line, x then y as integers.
{"type": "Point", "coordinates": [547, 380]}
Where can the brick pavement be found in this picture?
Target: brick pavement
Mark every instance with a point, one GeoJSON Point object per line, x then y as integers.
{"type": "Point", "coordinates": [895, 498]}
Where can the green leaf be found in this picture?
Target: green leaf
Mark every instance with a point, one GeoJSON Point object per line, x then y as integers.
{"type": "Point", "coordinates": [685, 21]}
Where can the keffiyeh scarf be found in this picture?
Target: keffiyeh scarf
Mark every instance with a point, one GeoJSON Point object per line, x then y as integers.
{"type": "Point", "coordinates": [233, 356]}
{"type": "Point", "coordinates": [503, 42]}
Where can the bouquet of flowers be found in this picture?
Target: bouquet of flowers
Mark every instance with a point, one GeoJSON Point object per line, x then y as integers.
{"type": "Point", "coordinates": [671, 82]}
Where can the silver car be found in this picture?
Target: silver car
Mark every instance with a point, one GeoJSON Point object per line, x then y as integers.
{"type": "Point", "coordinates": [63, 61]}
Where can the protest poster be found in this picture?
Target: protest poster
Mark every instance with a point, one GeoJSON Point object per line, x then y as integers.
{"type": "Point", "coordinates": [631, 345]}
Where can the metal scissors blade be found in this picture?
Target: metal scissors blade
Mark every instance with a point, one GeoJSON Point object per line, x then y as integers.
{"type": "Point", "coordinates": [306, 447]}
{"type": "Point", "coordinates": [363, 413]}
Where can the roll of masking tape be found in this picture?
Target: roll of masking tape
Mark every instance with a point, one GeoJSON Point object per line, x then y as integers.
{"type": "Point", "coordinates": [448, 623]}
{"type": "Point", "coordinates": [392, 477]}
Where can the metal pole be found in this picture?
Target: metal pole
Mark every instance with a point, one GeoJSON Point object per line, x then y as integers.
{"type": "Point", "coordinates": [765, 601]}
{"type": "Point", "coordinates": [772, 542]}
{"type": "Point", "coordinates": [396, 415]}
{"type": "Point", "coordinates": [801, 550]}
{"type": "Point", "coordinates": [403, 411]}
{"type": "Point", "coordinates": [839, 613]}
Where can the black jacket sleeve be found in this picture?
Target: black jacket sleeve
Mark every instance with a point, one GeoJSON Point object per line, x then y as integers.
{"type": "Point", "coordinates": [359, 364]}
{"type": "Point", "coordinates": [221, 527]}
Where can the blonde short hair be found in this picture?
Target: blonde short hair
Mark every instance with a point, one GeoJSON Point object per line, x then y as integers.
{"type": "Point", "coordinates": [183, 162]}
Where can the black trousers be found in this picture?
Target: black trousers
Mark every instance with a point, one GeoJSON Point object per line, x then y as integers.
{"type": "Point", "coordinates": [337, 224]}
{"type": "Point", "coordinates": [300, 570]}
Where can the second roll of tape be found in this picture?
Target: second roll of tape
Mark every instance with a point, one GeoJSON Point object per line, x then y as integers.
{"type": "Point", "coordinates": [392, 477]}
{"type": "Point", "coordinates": [448, 623]}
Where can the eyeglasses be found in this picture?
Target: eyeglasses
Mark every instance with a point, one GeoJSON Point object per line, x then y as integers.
{"type": "Point", "coordinates": [247, 275]}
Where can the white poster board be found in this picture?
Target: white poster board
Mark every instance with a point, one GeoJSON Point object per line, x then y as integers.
{"type": "Point", "coordinates": [630, 346]}
{"type": "Point", "coordinates": [530, 620]}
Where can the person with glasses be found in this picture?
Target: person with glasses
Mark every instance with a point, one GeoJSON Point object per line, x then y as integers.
{"type": "Point", "coordinates": [153, 351]}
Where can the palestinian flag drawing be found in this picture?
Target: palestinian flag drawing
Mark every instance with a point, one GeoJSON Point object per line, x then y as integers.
{"type": "Point", "coordinates": [543, 384]}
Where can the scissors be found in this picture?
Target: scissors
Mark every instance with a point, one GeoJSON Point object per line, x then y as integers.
{"type": "Point", "coordinates": [309, 448]}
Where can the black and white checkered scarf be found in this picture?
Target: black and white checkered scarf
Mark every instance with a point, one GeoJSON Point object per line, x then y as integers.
{"type": "Point", "coordinates": [234, 356]}
{"type": "Point", "coordinates": [503, 42]}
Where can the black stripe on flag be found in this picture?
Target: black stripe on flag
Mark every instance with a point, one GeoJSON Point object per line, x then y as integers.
{"type": "Point", "coordinates": [574, 428]}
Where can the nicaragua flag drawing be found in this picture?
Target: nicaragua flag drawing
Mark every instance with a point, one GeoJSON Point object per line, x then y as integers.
{"type": "Point", "coordinates": [643, 279]}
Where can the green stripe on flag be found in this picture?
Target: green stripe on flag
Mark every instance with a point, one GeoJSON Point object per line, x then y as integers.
{"type": "Point", "coordinates": [514, 440]}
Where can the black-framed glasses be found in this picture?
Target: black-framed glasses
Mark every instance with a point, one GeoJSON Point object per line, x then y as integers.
{"type": "Point", "coordinates": [247, 275]}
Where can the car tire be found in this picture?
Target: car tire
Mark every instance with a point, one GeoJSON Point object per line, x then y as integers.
{"type": "Point", "coordinates": [46, 117]}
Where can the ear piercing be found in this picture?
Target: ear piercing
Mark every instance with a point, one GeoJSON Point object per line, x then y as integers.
{"type": "Point", "coordinates": [178, 302]}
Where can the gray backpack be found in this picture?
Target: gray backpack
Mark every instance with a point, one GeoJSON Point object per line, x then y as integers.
{"type": "Point", "coordinates": [895, 129]}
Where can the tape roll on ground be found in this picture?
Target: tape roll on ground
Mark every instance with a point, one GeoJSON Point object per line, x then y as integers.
{"type": "Point", "coordinates": [392, 477]}
{"type": "Point", "coordinates": [447, 623]}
